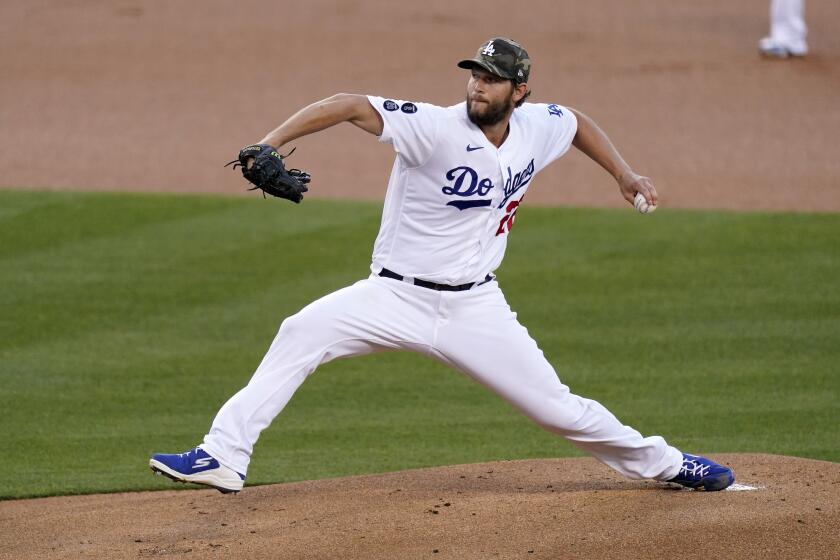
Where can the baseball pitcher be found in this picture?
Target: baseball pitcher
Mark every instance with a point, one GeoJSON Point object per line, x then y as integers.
{"type": "Point", "coordinates": [459, 176]}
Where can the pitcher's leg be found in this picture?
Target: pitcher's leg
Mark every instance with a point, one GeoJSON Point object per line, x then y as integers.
{"type": "Point", "coordinates": [291, 358]}
{"type": "Point", "coordinates": [360, 319]}
{"type": "Point", "coordinates": [485, 340]}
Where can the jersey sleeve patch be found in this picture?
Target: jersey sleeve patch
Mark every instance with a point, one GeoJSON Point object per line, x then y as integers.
{"type": "Point", "coordinates": [555, 110]}
{"type": "Point", "coordinates": [411, 128]}
{"type": "Point", "coordinates": [559, 126]}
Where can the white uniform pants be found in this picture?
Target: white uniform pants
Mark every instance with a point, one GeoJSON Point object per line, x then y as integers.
{"type": "Point", "coordinates": [787, 25]}
{"type": "Point", "coordinates": [474, 331]}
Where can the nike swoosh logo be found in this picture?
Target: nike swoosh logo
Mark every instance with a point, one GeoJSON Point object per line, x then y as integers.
{"type": "Point", "coordinates": [472, 149]}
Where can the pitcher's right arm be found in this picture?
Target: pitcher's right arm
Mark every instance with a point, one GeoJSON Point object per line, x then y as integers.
{"type": "Point", "coordinates": [342, 107]}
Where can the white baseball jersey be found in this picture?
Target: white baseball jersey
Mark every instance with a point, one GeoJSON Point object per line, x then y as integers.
{"type": "Point", "coordinates": [452, 195]}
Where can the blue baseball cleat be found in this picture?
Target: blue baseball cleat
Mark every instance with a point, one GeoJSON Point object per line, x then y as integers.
{"type": "Point", "coordinates": [198, 467]}
{"type": "Point", "coordinates": [703, 474]}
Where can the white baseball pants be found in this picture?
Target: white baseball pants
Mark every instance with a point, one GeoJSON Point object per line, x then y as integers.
{"type": "Point", "coordinates": [474, 331]}
{"type": "Point", "coordinates": [787, 25]}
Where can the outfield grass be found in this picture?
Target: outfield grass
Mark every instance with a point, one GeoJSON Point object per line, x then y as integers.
{"type": "Point", "coordinates": [127, 320]}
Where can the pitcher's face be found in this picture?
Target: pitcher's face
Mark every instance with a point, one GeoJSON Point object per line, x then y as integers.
{"type": "Point", "coordinates": [489, 97]}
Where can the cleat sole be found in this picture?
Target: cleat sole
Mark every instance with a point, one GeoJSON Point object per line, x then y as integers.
{"type": "Point", "coordinates": [162, 472]}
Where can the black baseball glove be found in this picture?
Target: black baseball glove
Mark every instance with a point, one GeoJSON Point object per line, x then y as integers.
{"type": "Point", "coordinates": [269, 174]}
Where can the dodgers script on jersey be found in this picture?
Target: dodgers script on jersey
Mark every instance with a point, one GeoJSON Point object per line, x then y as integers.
{"type": "Point", "coordinates": [452, 196]}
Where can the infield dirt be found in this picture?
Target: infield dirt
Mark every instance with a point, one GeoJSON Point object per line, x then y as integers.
{"type": "Point", "coordinates": [551, 508]}
{"type": "Point", "coordinates": [159, 95]}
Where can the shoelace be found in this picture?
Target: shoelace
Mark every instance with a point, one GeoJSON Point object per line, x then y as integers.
{"type": "Point", "coordinates": [694, 469]}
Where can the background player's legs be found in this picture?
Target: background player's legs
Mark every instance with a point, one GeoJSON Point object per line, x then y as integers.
{"type": "Point", "coordinates": [366, 317]}
{"type": "Point", "coordinates": [787, 25]}
{"type": "Point", "coordinates": [481, 336]}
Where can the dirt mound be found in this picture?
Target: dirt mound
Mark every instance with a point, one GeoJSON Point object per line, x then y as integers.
{"type": "Point", "coordinates": [552, 508]}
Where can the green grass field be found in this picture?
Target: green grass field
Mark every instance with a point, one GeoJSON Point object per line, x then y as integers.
{"type": "Point", "coordinates": [127, 320]}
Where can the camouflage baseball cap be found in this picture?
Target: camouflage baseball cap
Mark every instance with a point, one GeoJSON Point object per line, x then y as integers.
{"type": "Point", "coordinates": [502, 57]}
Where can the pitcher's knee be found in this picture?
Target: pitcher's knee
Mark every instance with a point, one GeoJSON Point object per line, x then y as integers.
{"type": "Point", "coordinates": [296, 324]}
{"type": "Point", "coordinates": [555, 422]}
{"type": "Point", "coordinates": [558, 414]}
{"type": "Point", "coordinates": [289, 326]}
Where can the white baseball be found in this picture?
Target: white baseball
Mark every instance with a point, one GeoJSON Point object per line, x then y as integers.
{"type": "Point", "coordinates": [642, 206]}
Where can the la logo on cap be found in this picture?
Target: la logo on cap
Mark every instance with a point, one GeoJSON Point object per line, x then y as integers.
{"type": "Point", "coordinates": [489, 49]}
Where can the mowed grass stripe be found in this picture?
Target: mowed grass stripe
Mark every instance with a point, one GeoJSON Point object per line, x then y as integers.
{"type": "Point", "coordinates": [129, 319]}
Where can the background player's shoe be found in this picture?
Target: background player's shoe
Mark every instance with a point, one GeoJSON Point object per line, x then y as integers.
{"type": "Point", "coordinates": [773, 49]}
{"type": "Point", "coordinates": [703, 474]}
{"type": "Point", "coordinates": [198, 467]}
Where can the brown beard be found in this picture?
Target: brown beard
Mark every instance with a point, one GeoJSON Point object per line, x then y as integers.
{"type": "Point", "coordinates": [494, 114]}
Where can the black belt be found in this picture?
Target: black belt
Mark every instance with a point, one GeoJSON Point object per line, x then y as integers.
{"type": "Point", "coordinates": [385, 273]}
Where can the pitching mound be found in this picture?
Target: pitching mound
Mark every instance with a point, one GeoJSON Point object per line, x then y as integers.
{"type": "Point", "coordinates": [552, 508]}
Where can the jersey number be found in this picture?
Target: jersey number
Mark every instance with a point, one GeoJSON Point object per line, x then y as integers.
{"type": "Point", "coordinates": [507, 220]}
